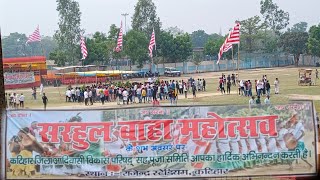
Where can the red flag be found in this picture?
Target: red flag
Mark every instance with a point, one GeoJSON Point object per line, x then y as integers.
{"type": "Point", "coordinates": [152, 43]}
{"type": "Point", "coordinates": [120, 39]}
{"type": "Point", "coordinates": [35, 36]}
{"type": "Point", "coordinates": [233, 38]}
{"type": "Point", "coordinates": [83, 48]}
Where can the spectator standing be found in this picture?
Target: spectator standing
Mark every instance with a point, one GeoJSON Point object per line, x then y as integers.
{"type": "Point", "coordinates": [73, 95]}
{"type": "Point", "coordinates": [90, 96]}
{"type": "Point", "coordinates": [204, 84]}
{"type": "Point", "coordinates": [267, 100]}
{"type": "Point", "coordinates": [185, 90]}
{"type": "Point", "coordinates": [194, 91]}
{"type": "Point", "coordinates": [276, 86]}
{"type": "Point", "coordinates": [21, 100]}
{"type": "Point", "coordinates": [258, 101]}
{"type": "Point", "coordinates": [45, 101]}
{"type": "Point", "coordinates": [251, 102]}
{"type": "Point", "coordinates": [86, 97]}
{"type": "Point", "coordinates": [268, 88]}
{"type": "Point", "coordinates": [228, 86]}
{"type": "Point", "coordinates": [125, 96]}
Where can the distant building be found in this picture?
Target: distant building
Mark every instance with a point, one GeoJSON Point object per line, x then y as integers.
{"type": "Point", "coordinates": [51, 64]}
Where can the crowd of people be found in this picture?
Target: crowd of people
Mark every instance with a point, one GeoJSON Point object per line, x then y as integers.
{"type": "Point", "coordinates": [152, 91]}
{"type": "Point", "coordinates": [246, 88]}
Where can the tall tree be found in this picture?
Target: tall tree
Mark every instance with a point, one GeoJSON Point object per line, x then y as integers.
{"type": "Point", "coordinates": [250, 32]}
{"type": "Point", "coordinates": [15, 45]}
{"type": "Point", "coordinates": [68, 35]}
{"type": "Point", "coordinates": [199, 38]}
{"type": "Point", "coordinates": [314, 41]}
{"type": "Point", "coordinates": [182, 48]}
{"type": "Point", "coordinates": [175, 31]}
{"type": "Point", "coordinates": [197, 59]}
{"type": "Point", "coordinates": [136, 47]}
{"type": "Point", "coordinates": [294, 43]}
{"type": "Point", "coordinates": [145, 17]}
{"type": "Point", "coordinates": [99, 49]}
{"type": "Point", "coordinates": [299, 27]}
{"type": "Point", "coordinates": [275, 18]}
{"type": "Point", "coordinates": [212, 47]}
{"type": "Point", "coordinates": [113, 32]}
{"type": "Point", "coordinates": [165, 44]}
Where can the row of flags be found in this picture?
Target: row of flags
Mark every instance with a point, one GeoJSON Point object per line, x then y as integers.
{"type": "Point", "coordinates": [232, 38]}
{"type": "Point", "coordinates": [36, 37]}
{"type": "Point", "coordinates": [152, 42]}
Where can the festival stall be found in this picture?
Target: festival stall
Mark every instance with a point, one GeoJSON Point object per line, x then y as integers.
{"type": "Point", "coordinates": [23, 72]}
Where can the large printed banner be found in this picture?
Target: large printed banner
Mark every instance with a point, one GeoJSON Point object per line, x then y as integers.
{"type": "Point", "coordinates": [162, 142]}
{"type": "Point", "coordinates": [18, 78]}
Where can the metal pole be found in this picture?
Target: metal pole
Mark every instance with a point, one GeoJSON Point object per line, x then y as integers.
{"type": "Point", "coordinates": [238, 57]}
{"type": "Point", "coordinates": [125, 20]}
{"type": "Point", "coordinates": [232, 60]}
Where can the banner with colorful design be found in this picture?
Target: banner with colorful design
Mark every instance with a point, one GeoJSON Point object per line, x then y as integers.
{"type": "Point", "coordinates": [18, 78]}
{"type": "Point", "coordinates": [162, 142]}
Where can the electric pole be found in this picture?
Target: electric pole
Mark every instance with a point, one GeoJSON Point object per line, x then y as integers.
{"type": "Point", "coordinates": [125, 21]}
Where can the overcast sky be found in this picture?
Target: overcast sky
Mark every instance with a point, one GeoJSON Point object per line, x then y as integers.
{"type": "Point", "coordinates": [189, 15]}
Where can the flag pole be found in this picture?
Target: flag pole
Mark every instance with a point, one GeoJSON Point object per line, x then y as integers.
{"type": "Point", "coordinates": [232, 60]}
{"type": "Point", "coordinates": [238, 57]}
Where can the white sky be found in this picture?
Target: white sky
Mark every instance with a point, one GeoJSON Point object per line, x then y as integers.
{"type": "Point", "coordinates": [189, 15]}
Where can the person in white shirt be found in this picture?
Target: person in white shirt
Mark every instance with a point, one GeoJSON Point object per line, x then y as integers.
{"type": "Point", "coordinates": [251, 102]}
{"type": "Point", "coordinates": [86, 97]}
{"type": "Point", "coordinates": [41, 89]}
{"type": "Point", "coordinates": [90, 97]}
{"type": "Point", "coordinates": [276, 86]}
{"type": "Point", "coordinates": [17, 100]}
{"type": "Point", "coordinates": [125, 96]}
{"type": "Point", "coordinates": [73, 95]}
{"type": "Point", "coordinates": [21, 100]}
{"type": "Point", "coordinates": [78, 94]}
{"type": "Point", "coordinates": [241, 87]}
{"type": "Point", "coordinates": [267, 100]}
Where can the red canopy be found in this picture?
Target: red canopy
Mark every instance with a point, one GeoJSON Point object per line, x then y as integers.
{"type": "Point", "coordinates": [33, 59]}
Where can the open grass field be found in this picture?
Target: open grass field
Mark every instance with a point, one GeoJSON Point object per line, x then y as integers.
{"type": "Point", "coordinates": [289, 89]}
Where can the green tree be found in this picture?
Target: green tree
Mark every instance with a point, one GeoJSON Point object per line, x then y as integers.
{"type": "Point", "coordinates": [197, 59]}
{"type": "Point", "coordinates": [294, 43]}
{"type": "Point", "coordinates": [299, 27]}
{"type": "Point", "coordinates": [314, 41]}
{"type": "Point", "coordinates": [49, 44]}
{"type": "Point", "coordinates": [250, 29]}
{"type": "Point", "coordinates": [175, 31]}
{"type": "Point", "coordinates": [199, 38]}
{"type": "Point", "coordinates": [165, 42]}
{"type": "Point", "coordinates": [99, 49]}
{"type": "Point", "coordinates": [182, 48]}
{"type": "Point", "coordinates": [136, 47]}
{"type": "Point", "coordinates": [14, 45]}
{"type": "Point", "coordinates": [145, 17]}
{"type": "Point", "coordinates": [275, 18]}
{"type": "Point", "coordinates": [68, 35]}
{"type": "Point", "coordinates": [113, 32]}
{"type": "Point", "coordinates": [59, 57]}
{"type": "Point", "coordinates": [212, 46]}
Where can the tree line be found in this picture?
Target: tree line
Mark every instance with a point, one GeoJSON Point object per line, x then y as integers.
{"type": "Point", "coordinates": [267, 32]}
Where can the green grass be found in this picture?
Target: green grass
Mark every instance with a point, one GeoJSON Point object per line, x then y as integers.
{"type": "Point", "coordinates": [288, 87]}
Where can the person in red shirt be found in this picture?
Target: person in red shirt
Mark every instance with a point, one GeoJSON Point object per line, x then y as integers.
{"type": "Point", "coordinates": [106, 94]}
